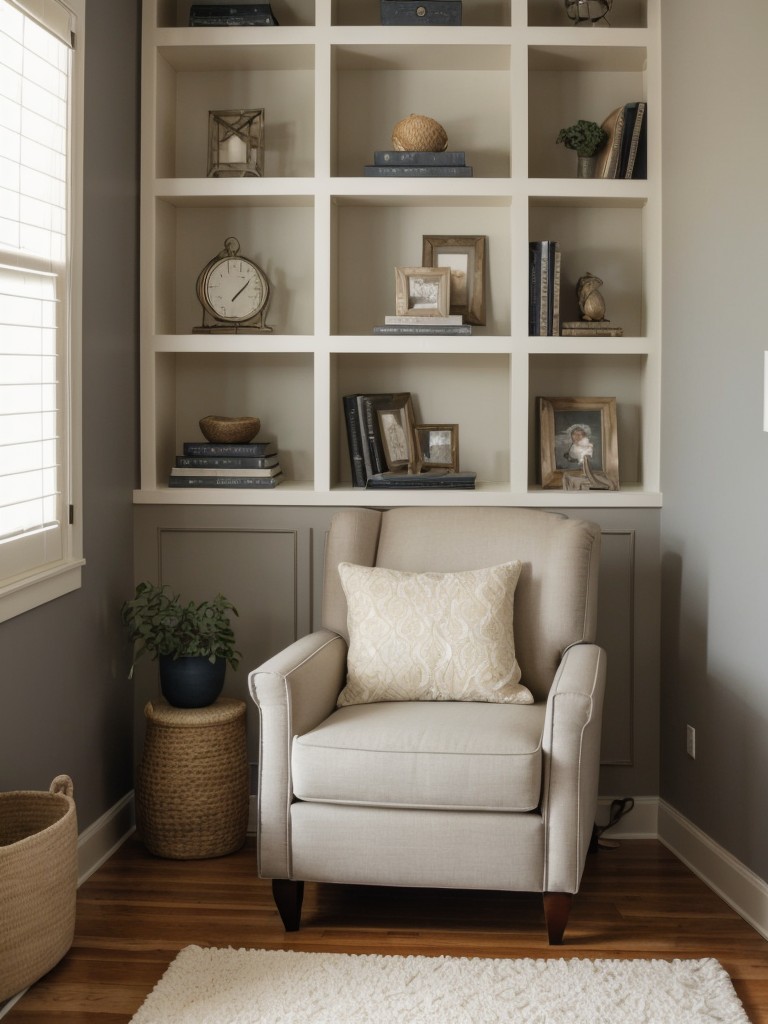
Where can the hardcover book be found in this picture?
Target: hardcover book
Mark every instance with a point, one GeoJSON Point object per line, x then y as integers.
{"type": "Point", "coordinates": [460, 479]}
{"type": "Point", "coordinates": [255, 449]}
{"type": "Point", "coordinates": [420, 12]}
{"type": "Point", "coordinates": [215, 15]}
{"type": "Point", "coordinates": [225, 462]}
{"type": "Point", "coordinates": [220, 472]}
{"type": "Point", "coordinates": [354, 440]}
{"type": "Point", "coordinates": [408, 158]}
{"type": "Point", "coordinates": [425, 329]}
{"type": "Point", "coordinates": [225, 481]}
{"type": "Point", "coordinates": [544, 288]}
{"type": "Point", "coordinates": [418, 321]}
{"type": "Point", "coordinates": [416, 171]}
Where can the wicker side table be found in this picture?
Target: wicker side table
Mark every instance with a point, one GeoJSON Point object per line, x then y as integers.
{"type": "Point", "coordinates": [192, 781]}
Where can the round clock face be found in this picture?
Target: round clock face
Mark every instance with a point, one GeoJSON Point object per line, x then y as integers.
{"type": "Point", "coordinates": [234, 289]}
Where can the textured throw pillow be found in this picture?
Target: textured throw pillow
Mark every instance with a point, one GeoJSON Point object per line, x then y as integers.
{"type": "Point", "coordinates": [431, 635]}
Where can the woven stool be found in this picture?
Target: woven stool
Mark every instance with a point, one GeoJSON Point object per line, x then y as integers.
{"type": "Point", "coordinates": [192, 781]}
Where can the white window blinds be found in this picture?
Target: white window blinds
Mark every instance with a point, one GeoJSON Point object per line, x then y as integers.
{"type": "Point", "coordinates": [35, 87]}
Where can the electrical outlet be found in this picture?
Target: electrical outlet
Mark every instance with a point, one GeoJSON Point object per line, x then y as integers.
{"type": "Point", "coordinates": [690, 741]}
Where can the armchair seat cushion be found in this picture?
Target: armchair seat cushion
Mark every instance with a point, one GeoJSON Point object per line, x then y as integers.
{"type": "Point", "coordinates": [429, 755]}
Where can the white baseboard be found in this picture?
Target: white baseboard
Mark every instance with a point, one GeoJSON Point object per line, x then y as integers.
{"type": "Point", "coordinates": [741, 888]}
{"type": "Point", "coordinates": [98, 842]}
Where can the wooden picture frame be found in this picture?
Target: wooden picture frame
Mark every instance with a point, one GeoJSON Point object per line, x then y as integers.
{"type": "Point", "coordinates": [422, 291]}
{"type": "Point", "coordinates": [396, 432]}
{"type": "Point", "coordinates": [436, 446]}
{"type": "Point", "coordinates": [569, 429]}
{"type": "Point", "coordinates": [465, 257]}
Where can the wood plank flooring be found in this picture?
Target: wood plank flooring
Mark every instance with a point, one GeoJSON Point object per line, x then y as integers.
{"type": "Point", "coordinates": [137, 911]}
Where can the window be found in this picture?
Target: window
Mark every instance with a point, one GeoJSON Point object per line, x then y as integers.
{"type": "Point", "coordinates": [40, 211]}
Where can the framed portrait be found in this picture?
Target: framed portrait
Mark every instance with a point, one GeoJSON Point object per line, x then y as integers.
{"type": "Point", "coordinates": [396, 432]}
{"type": "Point", "coordinates": [464, 256]}
{"type": "Point", "coordinates": [436, 446]}
{"type": "Point", "coordinates": [422, 291]}
{"type": "Point", "coordinates": [572, 430]}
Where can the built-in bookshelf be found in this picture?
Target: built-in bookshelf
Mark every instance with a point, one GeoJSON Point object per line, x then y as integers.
{"type": "Point", "coordinates": [333, 82]}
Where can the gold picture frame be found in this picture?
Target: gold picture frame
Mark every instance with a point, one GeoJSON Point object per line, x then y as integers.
{"type": "Point", "coordinates": [571, 429]}
{"type": "Point", "coordinates": [422, 291]}
{"type": "Point", "coordinates": [465, 257]}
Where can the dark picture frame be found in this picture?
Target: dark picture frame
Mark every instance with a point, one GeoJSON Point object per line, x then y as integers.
{"type": "Point", "coordinates": [436, 446]}
{"type": "Point", "coordinates": [465, 257]}
{"type": "Point", "coordinates": [572, 428]}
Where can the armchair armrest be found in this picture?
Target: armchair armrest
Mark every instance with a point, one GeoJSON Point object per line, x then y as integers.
{"type": "Point", "coordinates": [571, 748]}
{"type": "Point", "coordinates": [294, 692]}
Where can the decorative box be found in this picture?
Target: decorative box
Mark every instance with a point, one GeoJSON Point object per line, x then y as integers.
{"type": "Point", "coordinates": [420, 12]}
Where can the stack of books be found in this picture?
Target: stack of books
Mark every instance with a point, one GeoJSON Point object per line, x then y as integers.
{"type": "Point", "coordinates": [591, 329]}
{"type": "Point", "coordinates": [227, 465]}
{"type": "Point", "coordinates": [450, 324]}
{"type": "Point", "coordinates": [544, 288]}
{"type": "Point", "coordinates": [393, 163]}
{"type": "Point", "coordinates": [367, 458]}
{"type": "Point", "coordinates": [624, 155]}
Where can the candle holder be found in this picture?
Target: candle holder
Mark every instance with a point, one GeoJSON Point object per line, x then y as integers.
{"type": "Point", "coordinates": [588, 12]}
{"type": "Point", "coordinates": [236, 143]}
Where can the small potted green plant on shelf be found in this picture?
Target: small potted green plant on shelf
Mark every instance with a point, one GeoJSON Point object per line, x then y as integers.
{"type": "Point", "coordinates": [587, 138]}
{"type": "Point", "coordinates": [193, 643]}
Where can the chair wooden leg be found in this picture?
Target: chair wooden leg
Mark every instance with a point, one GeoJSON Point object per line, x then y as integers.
{"type": "Point", "coordinates": [557, 907]}
{"type": "Point", "coordinates": [288, 896]}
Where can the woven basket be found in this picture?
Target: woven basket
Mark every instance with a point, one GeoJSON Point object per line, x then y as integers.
{"type": "Point", "coordinates": [38, 883]}
{"type": "Point", "coordinates": [192, 781]}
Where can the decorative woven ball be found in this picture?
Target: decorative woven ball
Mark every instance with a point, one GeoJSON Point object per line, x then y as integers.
{"type": "Point", "coordinates": [230, 429]}
{"type": "Point", "coordinates": [419, 134]}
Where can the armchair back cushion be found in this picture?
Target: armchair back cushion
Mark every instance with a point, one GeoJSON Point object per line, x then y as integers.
{"type": "Point", "coordinates": [555, 602]}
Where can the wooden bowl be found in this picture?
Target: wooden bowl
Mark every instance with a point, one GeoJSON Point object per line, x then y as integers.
{"type": "Point", "coordinates": [230, 429]}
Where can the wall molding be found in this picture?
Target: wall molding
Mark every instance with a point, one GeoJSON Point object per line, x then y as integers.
{"type": "Point", "coordinates": [97, 843]}
{"type": "Point", "coordinates": [743, 890]}
{"type": "Point", "coordinates": [642, 822]}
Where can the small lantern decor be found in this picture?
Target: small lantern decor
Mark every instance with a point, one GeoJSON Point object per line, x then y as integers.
{"type": "Point", "coordinates": [235, 143]}
{"type": "Point", "coordinates": [588, 12]}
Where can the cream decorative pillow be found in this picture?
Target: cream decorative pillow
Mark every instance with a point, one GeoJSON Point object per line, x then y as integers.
{"type": "Point", "coordinates": [431, 635]}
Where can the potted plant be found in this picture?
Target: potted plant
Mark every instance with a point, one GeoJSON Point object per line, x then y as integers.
{"type": "Point", "coordinates": [192, 642]}
{"type": "Point", "coordinates": [587, 138]}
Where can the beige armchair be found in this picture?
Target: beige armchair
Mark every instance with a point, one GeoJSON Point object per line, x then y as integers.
{"type": "Point", "coordinates": [479, 792]}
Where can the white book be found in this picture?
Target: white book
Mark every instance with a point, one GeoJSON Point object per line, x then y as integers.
{"type": "Point", "coordinates": [415, 321]}
{"type": "Point", "coordinates": [197, 471]}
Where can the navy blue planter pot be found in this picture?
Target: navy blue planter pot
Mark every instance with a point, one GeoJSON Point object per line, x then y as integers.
{"type": "Point", "coordinates": [191, 682]}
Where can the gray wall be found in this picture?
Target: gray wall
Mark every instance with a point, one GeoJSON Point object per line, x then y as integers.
{"type": "Point", "coordinates": [66, 704]}
{"type": "Point", "coordinates": [715, 453]}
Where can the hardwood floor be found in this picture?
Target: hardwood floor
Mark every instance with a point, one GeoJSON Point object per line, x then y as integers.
{"type": "Point", "coordinates": [137, 911]}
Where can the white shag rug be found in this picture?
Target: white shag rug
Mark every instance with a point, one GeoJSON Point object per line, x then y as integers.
{"type": "Point", "coordinates": [257, 986]}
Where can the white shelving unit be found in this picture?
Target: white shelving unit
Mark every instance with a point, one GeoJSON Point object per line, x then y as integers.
{"type": "Point", "coordinates": [333, 82]}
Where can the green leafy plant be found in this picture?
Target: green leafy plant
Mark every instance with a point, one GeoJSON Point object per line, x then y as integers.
{"type": "Point", "coordinates": [586, 137]}
{"type": "Point", "coordinates": [159, 623]}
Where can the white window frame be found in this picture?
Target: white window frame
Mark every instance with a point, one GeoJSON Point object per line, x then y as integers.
{"type": "Point", "coordinates": [41, 584]}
